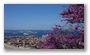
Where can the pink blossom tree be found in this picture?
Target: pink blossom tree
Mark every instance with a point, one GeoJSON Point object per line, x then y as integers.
{"type": "Point", "coordinates": [74, 14]}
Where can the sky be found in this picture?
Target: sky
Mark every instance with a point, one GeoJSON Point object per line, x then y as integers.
{"type": "Point", "coordinates": [32, 16]}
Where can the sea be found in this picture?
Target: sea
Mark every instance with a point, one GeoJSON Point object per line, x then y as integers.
{"type": "Point", "coordinates": [37, 33]}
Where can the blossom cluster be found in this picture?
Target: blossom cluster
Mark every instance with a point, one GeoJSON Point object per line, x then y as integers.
{"type": "Point", "coordinates": [74, 14]}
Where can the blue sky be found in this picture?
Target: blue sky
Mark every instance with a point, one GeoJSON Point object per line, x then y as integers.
{"type": "Point", "coordinates": [32, 16]}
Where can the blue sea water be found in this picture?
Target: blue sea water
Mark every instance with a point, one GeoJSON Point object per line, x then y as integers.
{"type": "Point", "coordinates": [38, 34]}
{"type": "Point", "coordinates": [21, 32]}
